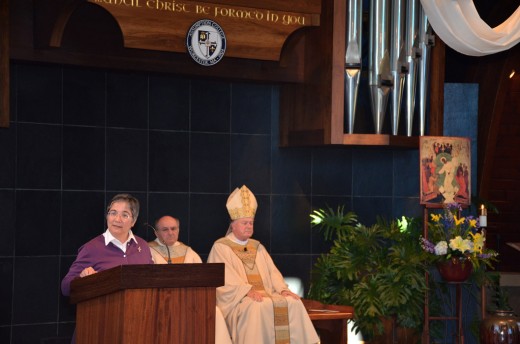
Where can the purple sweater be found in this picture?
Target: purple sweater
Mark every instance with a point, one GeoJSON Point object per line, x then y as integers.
{"type": "Point", "coordinates": [100, 257]}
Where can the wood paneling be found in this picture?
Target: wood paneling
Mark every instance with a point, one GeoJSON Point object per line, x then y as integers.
{"type": "Point", "coordinates": [146, 276]}
{"type": "Point", "coordinates": [253, 31]}
{"type": "Point", "coordinates": [139, 303]}
{"type": "Point", "coordinates": [312, 113]}
{"type": "Point", "coordinates": [437, 77]}
{"type": "Point", "coordinates": [498, 143]}
{"type": "Point", "coordinates": [90, 36]}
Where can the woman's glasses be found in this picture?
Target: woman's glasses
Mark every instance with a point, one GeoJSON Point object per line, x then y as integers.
{"type": "Point", "coordinates": [124, 215]}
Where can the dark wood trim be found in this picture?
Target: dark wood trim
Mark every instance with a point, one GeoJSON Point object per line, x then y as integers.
{"type": "Point", "coordinates": [381, 140]}
{"type": "Point", "coordinates": [493, 81]}
{"type": "Point", "coordinates": [147, 276]}
{"type": "Point", "coordinates": [172, 63]}
{"type": "Point", "coordinates": [61, 22]}
{"type": "Point", "coordinates": [4, 63]}
{"type": "Point", "coordinates": [437, 77]}
{"type": "Point", "coordinates": [312, 113]}
{"type": "Point", "coordinates": [37, 28]}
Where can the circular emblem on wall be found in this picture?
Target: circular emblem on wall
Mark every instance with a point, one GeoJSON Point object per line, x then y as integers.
{"type": "Point", "coordinates": [206, 42]}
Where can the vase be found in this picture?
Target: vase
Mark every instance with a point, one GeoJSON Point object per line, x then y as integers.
{"type": "Point", "coordinates": [455, 269]}
{"type": "Point", "coordinates": [500, 327]}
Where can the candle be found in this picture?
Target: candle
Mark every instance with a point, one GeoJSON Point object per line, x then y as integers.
{"type": "Point", "coordinates": [483, 216]}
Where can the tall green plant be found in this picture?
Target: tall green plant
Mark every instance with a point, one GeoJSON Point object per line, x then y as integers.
{"type": "Point", "coordinates": [378, 269]}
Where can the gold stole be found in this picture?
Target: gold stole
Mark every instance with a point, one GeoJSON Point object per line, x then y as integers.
{"type": "Point", "coordinates": [177, 253]}
{"type": "Point", "coordinates": [247, 255]}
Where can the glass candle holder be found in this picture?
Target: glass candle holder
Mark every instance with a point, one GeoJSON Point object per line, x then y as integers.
{"type": "Point", "coordinates": [483, 216]}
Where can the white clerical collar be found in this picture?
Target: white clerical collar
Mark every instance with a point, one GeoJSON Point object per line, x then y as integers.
{"type": "Point", "coordinates": [109, 238]}
{"type": "Point", "coordinates": [177, 243]}
{"type": "Point", "coordinates": [232, 237]}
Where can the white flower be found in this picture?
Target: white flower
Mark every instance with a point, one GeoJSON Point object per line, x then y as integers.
{"type": "Point", "coordinates": [460, 244]}
{"type": "Point", "coordinates": [441, 248]}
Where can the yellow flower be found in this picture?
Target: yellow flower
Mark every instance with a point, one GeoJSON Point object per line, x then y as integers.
{"type": "Point", "coordinates": [473, 223]}
{"type": "Point", "coordinates": [436, 217]}
{"type": "Point", "coordinates": [478, 242]}
{"type": "Point", "coordinates": [460, 244]}
{"type": "Point", "coordinates": [458, 221]}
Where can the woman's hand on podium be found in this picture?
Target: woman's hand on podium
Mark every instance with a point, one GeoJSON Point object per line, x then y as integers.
{"type": "Point", "coordinates": [87, 271]}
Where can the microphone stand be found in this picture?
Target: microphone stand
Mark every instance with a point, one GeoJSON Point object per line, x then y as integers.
{"type": "Point", "coordinates": [169, 261]}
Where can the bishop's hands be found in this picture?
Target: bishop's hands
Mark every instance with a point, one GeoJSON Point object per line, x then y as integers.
{"type": "Point", "coordinates": [256, 296]}
{"type": "Point", "coordinates": [288, 293]}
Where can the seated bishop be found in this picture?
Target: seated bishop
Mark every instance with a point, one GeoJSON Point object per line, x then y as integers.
{"type": "Point", "coordinates": [256, 302]}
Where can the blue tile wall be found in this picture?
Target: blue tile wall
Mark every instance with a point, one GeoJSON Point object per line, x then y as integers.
{"type": "Point", "coordinates": [78, 136]}
{"type": "Point", "coordinates": [38, 94]}
{"type": "Point", "coordinates": [7, 222]}
{"type": "Point", "coordinates": [210, 106]}
{"type": "Point", "coordinates": [168, 161]}
{"type": "Point", "coordinates": [7, 157]}
{"type": "Point", "coordinates": [38, 156]}
{"type": "Point", "coordinates": [6, 292]}
{"type": "Point", "coordinates": [372, 173]}
{"type": "Point", "coordinates": [126, 100]}
{"type": "Point", "coordinates": [250, 109]}
{"type": "Point", "coordinates": [461, 119]}
{"type": "Point", "coordinates": [35, 302]}
{"type": "Point", "coordinates": [81, 219]}
{"type": "Point", "coordinates": [84, 97]}
{"type": "Point", "coordinates": [209, 162]}
{"type": "Point", "coordinates": [37, 231]}
{"type": "Point", "coordinates": [83, 165]}
{"type": "Point", "coordinates": [169, 103]}
{"type": "Point", "coordinates": [126, 159]}
{"type": "Point", "coordinates": [250, 162]}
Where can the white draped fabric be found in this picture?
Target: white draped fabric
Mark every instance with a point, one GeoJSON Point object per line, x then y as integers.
{"type": "Point", "coordinates": [459, 25]}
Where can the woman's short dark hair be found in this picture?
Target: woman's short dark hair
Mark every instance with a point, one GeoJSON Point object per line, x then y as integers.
{"type": "Point", "coordinates": [131, 200]}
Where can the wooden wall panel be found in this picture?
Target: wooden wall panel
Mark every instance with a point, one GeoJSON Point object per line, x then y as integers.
{"type": "Point", "coordinates": [499, 140]}
{"type": "Point", "coordinates": [91, 37]}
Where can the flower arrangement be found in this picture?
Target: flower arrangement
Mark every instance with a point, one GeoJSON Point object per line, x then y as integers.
{"type": "Point", "coordinates": [452, 236]}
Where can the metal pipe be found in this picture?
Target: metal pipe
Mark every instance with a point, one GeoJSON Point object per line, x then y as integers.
{"type": "Point", "coordinates": [412, 47]}
{"type": "Point", "coordinates": [380, 79]}
{"type": "Point", "coordinates": [353, 59]}
{"type": "Point", "coordinates": [398, 64]}
{"type": "Point", "coordinates": [426, 41]}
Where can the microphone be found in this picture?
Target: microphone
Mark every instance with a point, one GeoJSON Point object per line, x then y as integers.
{"type": "Point", "coordinates": [169, 261]}
{"type": "Point", "coordinates": [245, 249]}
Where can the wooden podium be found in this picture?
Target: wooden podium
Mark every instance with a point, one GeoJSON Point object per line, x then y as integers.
{"type": "Point", "coordinates": [170, 303]}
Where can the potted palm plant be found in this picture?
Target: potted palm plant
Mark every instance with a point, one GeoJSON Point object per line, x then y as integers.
{"type": "Point", "coordinates": [378, 269]}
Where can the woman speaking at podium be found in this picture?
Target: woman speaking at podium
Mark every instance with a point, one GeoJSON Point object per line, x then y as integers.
{"type": "Point", "coordinates": [116, 246]}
